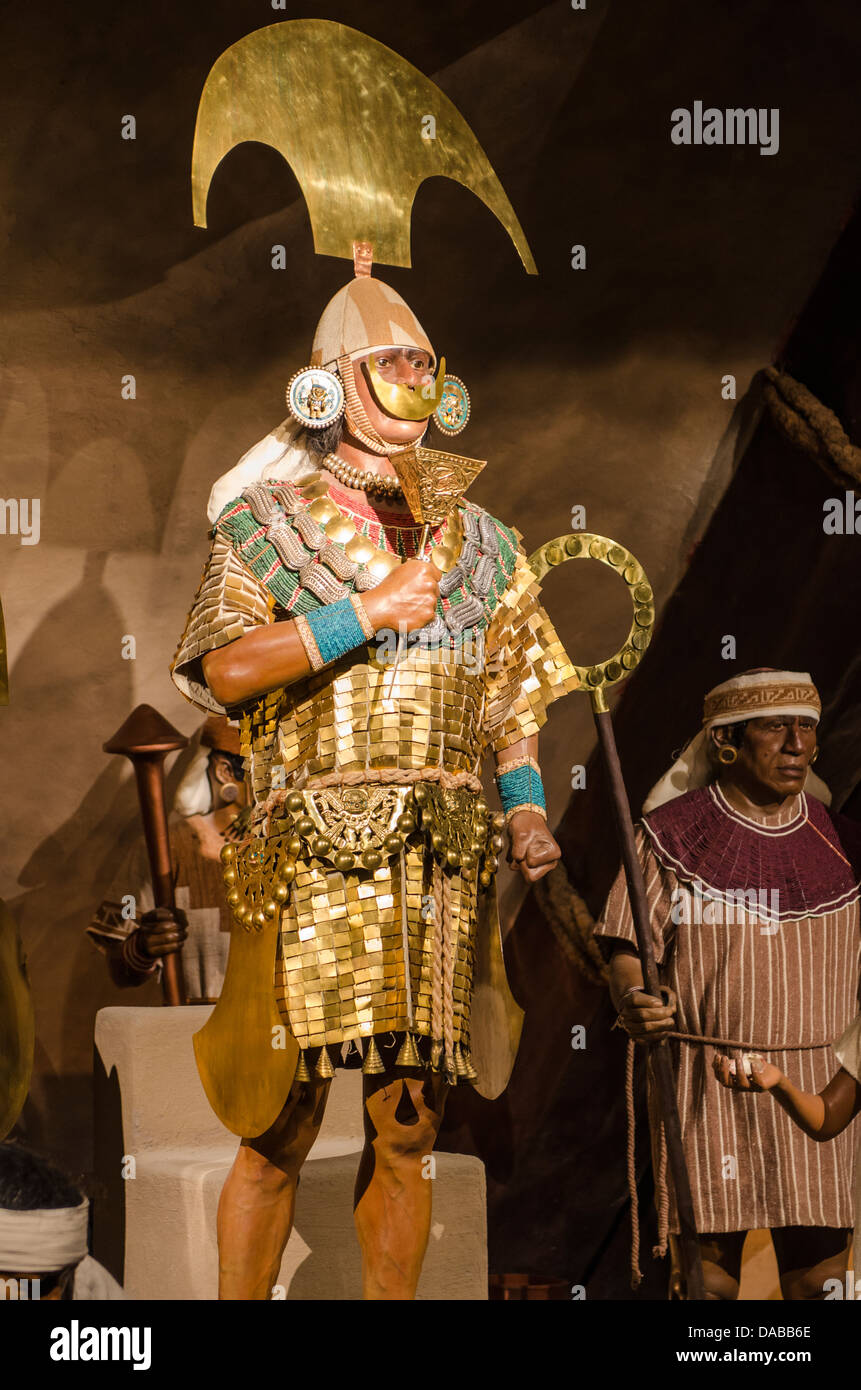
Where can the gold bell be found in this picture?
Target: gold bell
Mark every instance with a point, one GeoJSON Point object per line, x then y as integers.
{"type": "Point", "coordinates": [324, 1068]}
{"type": "Point", "coordinates": [460, 1068]}
{"type": "Point", "coordinates": [409, 1053]}
{"type": "Point", "coordinates": [470, 1072]}
{"type": "Point", "coordinates": [302, 1072]}
{"type": "Point", "coordinates": [435, 1055]}
{"type": "Point", "coordinates": [373, 1063]}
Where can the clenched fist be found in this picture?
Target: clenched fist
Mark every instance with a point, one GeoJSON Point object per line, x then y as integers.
{"type": "Point", "coordinates": [162, 932]}
{"type": "Point", "coordinates": [532, 850]}
{"type": "Point", "coordinates": [407, 596]}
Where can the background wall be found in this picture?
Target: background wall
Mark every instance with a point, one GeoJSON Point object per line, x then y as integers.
{"type": "Point", "coordinates": [599, 387]}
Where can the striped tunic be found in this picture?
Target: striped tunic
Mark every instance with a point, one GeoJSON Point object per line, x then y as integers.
{"type": "Point", "coordinates": [740, 972]}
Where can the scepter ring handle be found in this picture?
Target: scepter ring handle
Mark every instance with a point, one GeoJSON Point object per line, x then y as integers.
{"type": "Point", "coordinates": [584, 545]}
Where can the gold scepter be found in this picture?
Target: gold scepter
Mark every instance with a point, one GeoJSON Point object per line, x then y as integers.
{"type": "Point", "coordinates": [433, 481]}
{"type": "Point", "coordinates": [595, 679]}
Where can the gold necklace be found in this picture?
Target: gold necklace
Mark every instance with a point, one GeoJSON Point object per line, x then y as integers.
{"type": "Point", "coordinates": [368, 481]}
{"type": "Point", "coordinates": [361, 549]}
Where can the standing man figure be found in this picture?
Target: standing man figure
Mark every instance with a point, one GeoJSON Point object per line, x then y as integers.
{"type": "Point", "coordinates": [367, 800]}
{"type": "Point", "coordinates": [753, 891]}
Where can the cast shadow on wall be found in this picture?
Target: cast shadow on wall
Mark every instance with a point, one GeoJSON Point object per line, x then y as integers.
{"type": "Point", "coordinates": [70, 664]}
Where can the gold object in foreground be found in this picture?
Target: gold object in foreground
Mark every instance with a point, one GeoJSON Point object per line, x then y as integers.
{"type": "Point", "coordinates": [245, 1022]}
{"type": "Point", "coordinates": [433, 480]}
{"type": "Point", "coordinates": [406, 402]}
{"type": "Point", "coordinates": [583, 545]}
{"type": "Point", "coordinates": [4, 669]}
{"type": "Point", "coordinates": [346, 113]}
{"type": "Point", "coordinates": [17, 1029]}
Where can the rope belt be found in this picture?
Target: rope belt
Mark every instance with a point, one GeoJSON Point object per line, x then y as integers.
{"type": "Point", "coordinates": [662, 1195]}
{"type": "Point", "coordinates": [400, 776]}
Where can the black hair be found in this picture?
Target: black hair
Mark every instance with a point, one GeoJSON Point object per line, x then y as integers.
{"type": "Point", "coordinates": [29, 1182]}
{"type": "Point", "coordinates": [327, 441]}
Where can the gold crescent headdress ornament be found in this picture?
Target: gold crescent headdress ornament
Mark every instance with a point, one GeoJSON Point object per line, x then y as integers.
{"type": "Point", "coordinates": [306, 87]}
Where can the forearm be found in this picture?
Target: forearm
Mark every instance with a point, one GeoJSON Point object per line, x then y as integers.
{"type": "Point", "coordinates": [267, 658]}
{"type": "Point", "coordinates": [626, 972]}
{"type": "Point", "coordinates": [523, 748]}
{"type": "Point", "coordinates": [122, 973]}
{"type": "Point", "coordinates": [808, 1111]}
{"type": "Point", "coordinates": [272, 657]}
{"type": "Point", "coordinates": [518, 780]}
{"type": "Point", "coordinates": [822, 1116]}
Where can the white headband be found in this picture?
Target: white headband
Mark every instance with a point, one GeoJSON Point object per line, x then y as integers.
{"type": "Point", "coordinates": [44, 1241]}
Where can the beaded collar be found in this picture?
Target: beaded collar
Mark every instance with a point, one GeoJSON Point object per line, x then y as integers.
{"type": "Point", "coordinates": [308, 545]}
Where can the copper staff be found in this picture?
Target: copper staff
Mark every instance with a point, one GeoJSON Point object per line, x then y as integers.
{"type": "Point", "coordinates": [595, 679]}
{"type": "Point", "coordinates": [146, 738]}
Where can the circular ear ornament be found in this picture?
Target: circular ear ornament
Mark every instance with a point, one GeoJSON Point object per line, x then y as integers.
{"type": "Point", "coordinates": [452, 413]}
{"type": "Point", "coordinates": [315, 397]}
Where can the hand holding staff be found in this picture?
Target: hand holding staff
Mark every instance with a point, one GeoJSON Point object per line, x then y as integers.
{"type": "Point", "coordinates": [146, 739]}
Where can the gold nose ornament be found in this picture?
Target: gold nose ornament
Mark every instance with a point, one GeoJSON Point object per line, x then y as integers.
{"type": "Point", "coordinates": [407, 402]}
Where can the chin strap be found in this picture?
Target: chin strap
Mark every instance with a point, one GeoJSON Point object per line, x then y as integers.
{"type": "Point", "coordinates": [359, 425]}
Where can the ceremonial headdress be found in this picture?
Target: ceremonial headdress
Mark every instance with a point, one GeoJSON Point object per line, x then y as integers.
{"type": "Point", "coordinates": [752, 695]}
{"type": "Point", "coordinates": [359, 157]}
{"type": "Point", "coordinates": [365, 316]}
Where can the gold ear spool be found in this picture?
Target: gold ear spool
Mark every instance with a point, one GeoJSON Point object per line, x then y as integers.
{"type": "Point", "coordinates": [584, 545]}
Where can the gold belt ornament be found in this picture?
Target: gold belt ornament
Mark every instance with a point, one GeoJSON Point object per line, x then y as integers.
{"type": "Point", "coordinates": [356, 828]}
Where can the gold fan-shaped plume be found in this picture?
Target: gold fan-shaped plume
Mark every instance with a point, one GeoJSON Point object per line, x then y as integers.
{"type": "Point", "coordinates": [360, 127]}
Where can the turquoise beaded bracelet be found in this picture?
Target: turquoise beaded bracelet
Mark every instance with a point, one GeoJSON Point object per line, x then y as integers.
{"type": "Point", "coordinates": [520, 788]}
{"type": "Point", "coordinates": [334, 630]}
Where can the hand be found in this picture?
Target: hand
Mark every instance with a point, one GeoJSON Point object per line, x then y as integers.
{"type": "Point", "coordinates": [531, 848]}
{"type": "Point", "coordinates": [408, 595]}
{"type": "Point", "coordinates": [162, 932]}
{"type": "Point", "coordinates": [648, 1019]}
{"type": "Point", "coordinates": [764, 1076]}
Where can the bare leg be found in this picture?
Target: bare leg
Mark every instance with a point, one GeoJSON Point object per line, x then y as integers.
{"type": "Point", "coordinates": [394, 1189]}
{"type": "Point", "coordinates": [255, 1210]}
{"type": "Point", "coordinates": [807, 1256]}
{"type": "Point", "coordinates": [721, 1256]}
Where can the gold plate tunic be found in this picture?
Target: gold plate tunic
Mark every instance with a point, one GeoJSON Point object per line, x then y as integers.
{"type": "Point", "coordinates": [388, 948]}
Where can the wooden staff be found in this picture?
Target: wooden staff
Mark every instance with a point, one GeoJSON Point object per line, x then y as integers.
{"type": "Point", "coordinates": [146, 738]}
{"type": "Point", "coordinates": [583, 545]}
{"type": "Point", "coordinates": [662, 1066]}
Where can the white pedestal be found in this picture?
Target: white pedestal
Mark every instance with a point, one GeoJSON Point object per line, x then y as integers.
{"type": "Point", "coordinates": [183, 1153]}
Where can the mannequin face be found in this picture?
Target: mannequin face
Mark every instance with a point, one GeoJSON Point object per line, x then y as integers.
{"type": "Point", "coordinates": [404, 367]}
{"type": "Point", "coordinates": [773, 760]}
